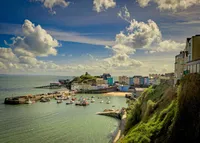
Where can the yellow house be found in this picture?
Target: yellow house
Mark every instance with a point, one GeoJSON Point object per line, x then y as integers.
{"type": "Point", "coordinates": [193, 57]}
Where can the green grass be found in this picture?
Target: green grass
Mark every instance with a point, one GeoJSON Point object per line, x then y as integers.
{"type": "Point", "coordinates": [164, 114]}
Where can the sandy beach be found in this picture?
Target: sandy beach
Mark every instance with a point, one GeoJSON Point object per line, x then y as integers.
{"type": "Point", "coordinates": [116, 93]}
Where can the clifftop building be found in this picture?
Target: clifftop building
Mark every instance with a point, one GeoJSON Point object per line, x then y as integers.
{"type": "Point", "coordinates": [193, 57]}
{"type": "Point", "coordinates": [124, 80]}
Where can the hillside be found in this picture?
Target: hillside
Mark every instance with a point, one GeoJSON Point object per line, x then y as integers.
{"type": "Point", "coordinates": [165, 114]}
{"type": "Point", "coordinates": [86, 78]}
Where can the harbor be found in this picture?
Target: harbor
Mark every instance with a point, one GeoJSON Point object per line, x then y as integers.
{"type": "Point", "coordinates": [50, 121]}
{"type": "Point", "coordinates": [73, 100]}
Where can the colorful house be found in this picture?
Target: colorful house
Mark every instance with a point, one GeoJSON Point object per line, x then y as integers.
{"type": "Point", "coordinates": [146, 81]}
{"type": "Point", "coordinates": [136, 80]}
{"type": "Point", "coordinates": [131, 81]}
{"type": "Point", "coordinates": [141, 81]}
{"type": "Point", "coordinates": [110, 81]}
{"type": "Point", "coordinates": [124, 80]}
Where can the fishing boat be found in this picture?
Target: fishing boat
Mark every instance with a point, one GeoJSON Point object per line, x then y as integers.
{"type": "Point", "coordinates": [92, 101]}
{"type": "Point", "coordinates": [108, 102]}
{"type": "Point", "coordinates": [59, 101]}
{"type": "Point", "coordinates": [85, 103]}
{"type": "Point", "coordinates": [101, 101]}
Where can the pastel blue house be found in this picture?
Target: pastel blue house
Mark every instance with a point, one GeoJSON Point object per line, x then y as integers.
{"type": "Point", "coordinates": [131, 82]}
{"type": "Point", "coordinates": [141, 80]}
{"type": "Point", "coordinates": [146, 81]}
{"type": "Point", "coordinates": [110, 81]}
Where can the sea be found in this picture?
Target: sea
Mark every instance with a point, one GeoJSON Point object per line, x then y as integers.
{"type": "Point", "coordinates": [51, 122]}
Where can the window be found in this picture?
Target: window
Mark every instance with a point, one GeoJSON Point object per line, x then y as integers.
{"type": "Point", "coordinates": [191, 69]}
{"type": "Point", "coordinates": [198, 68]}
{"type": "Point", "coordinates": [194, 68]}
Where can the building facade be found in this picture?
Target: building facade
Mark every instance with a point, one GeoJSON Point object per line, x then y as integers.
{"type": "Point", "coordinates": [146, 81]}
{"type": "Point", "coordinates": [124, 80]}
{"type": "Point", "coordinates": [193, 58]}
{"type": "Point", "coordinates": [131, 81]}
{"type": "Point", "coordinates": [179, 65]}
{"type": "Point", "coordinates": [100, 81]}
{"type": "Point", "coordinates": [110, 81]}
{"type": "Point", "coordinates": [136, 80]}
{"type": "Point", "coordinates": [141, 81]}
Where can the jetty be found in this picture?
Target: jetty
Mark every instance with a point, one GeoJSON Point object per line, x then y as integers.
{"type": "Point", "coordinates": [119, 114]}
{"type": "Point", "coordinates": [34, 98]}
{"type": "Point", "coordinates": [111, 113]}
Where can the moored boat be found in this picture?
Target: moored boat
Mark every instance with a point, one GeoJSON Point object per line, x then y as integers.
{"type": "Point", "coordinates": [92, 101]}
{"type": "Point", "coordinates": [59, 101]}
{"type": "Point", "coordinates": [108, 102]}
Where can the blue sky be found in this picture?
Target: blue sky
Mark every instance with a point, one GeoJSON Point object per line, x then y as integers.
{"type": "Point", "coordinates": [80, 34]}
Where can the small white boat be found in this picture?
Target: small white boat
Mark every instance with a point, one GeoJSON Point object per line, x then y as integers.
{"type": "Point", "coordinates": [59, 101]}
{"type": "Point", "coordinates": [108, 102]}
{"type": "Point", "coordinates": [92, 101]}
{"type": "Point", "coordinates": [29, 101]}
{"type": "Point", "coordinates": [101, 101]}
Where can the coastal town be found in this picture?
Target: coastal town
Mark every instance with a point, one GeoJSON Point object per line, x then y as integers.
{"type": "Point", "coordinates": [188, 61]}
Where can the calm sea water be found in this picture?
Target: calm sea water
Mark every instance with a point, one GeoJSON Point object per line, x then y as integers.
{"type": "Point", "coordinates": [52, 122]}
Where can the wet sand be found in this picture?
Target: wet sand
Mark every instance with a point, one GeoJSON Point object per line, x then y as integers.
{"type": "Point", "coordinates": [116, 93]}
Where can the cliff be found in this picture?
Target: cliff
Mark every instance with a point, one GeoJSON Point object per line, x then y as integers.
{"type": "Point", "coordinates": [165, 114]}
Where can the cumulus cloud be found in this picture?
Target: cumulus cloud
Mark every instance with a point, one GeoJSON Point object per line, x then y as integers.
{"type": "Point", "coordinates": [52, 3]}
{"type": "Point", "coordinates": [170, 4]}
{"type": "Point", "coordinates": [35, 41]}
{"type": "Point", "coordinates": [102, 5]}
{"type": "Point", "coordinates": [124, 14]}
{"type": "Point", "coordinates": [7, 54]}
{"type": "Point", "coordinates": [140, 35]}
{"type": "Point", "coordinates": [168, 46]}
{"type": "Point", "coordinates": [2, 66]}
{"type": "Point", "coordinates": [121, 60]}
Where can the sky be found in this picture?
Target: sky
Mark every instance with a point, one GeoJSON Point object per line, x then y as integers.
{"type": "Point", "coordinates": [71, 37]}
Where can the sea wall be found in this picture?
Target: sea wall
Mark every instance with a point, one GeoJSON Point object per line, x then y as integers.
{"type": "Point", "coordinates": [35, 98]}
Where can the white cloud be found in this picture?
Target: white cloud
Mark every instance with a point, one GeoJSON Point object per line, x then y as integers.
{"type": "Point", "coordinates": [102, 5]}
{"type": "Point", "coordinates": [52, 3]}
{"type": "Point", "coordinates": [189, 22]}
{"type": "Point", "coordinates": [76, 37]}
{"type": "Point", "coordinates": [90, 56]}
{"type": "Point", "coordinates": [2, 66]}
{"type": "Point", "coordinates": [28, 60]}
{"type": "Point", "coordinates": [153, 70]}
{"type": "Point", "coordinates": [140, 35]}
{"type": "Point", "coordinates": [124, 14]}
{"type": "Point", "coordinates": [7, 54]}
{"type": "Point", "coordinates": [15, 29]}
{"type": "Point", "coordinates": [121, 60]}
{"type": "Point", "coordinates": [169, 46]}
{"type": "Point", "coordinates": [170, 4]}
{"type": "Point", "coordinates": [35, 41]}
{"type": "Point", "coordinates": [23, 52]}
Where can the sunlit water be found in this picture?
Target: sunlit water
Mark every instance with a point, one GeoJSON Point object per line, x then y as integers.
{"type": "Point", "coordinates": [52, 122]}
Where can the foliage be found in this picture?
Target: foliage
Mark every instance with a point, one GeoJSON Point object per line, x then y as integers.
{"type": "Point", "coordinates": [158, 116]}
{"type": "Point", "coordinates": [86, 78]}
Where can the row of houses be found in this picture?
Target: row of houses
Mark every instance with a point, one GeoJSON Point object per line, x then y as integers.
{"type": "Point", "coordinates": [124, 82]}
{"type": "Point", "coordinates": [188, 61]}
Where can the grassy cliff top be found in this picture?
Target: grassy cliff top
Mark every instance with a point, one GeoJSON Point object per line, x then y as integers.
{"type": "Point", "coordinates": [165, 114]}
